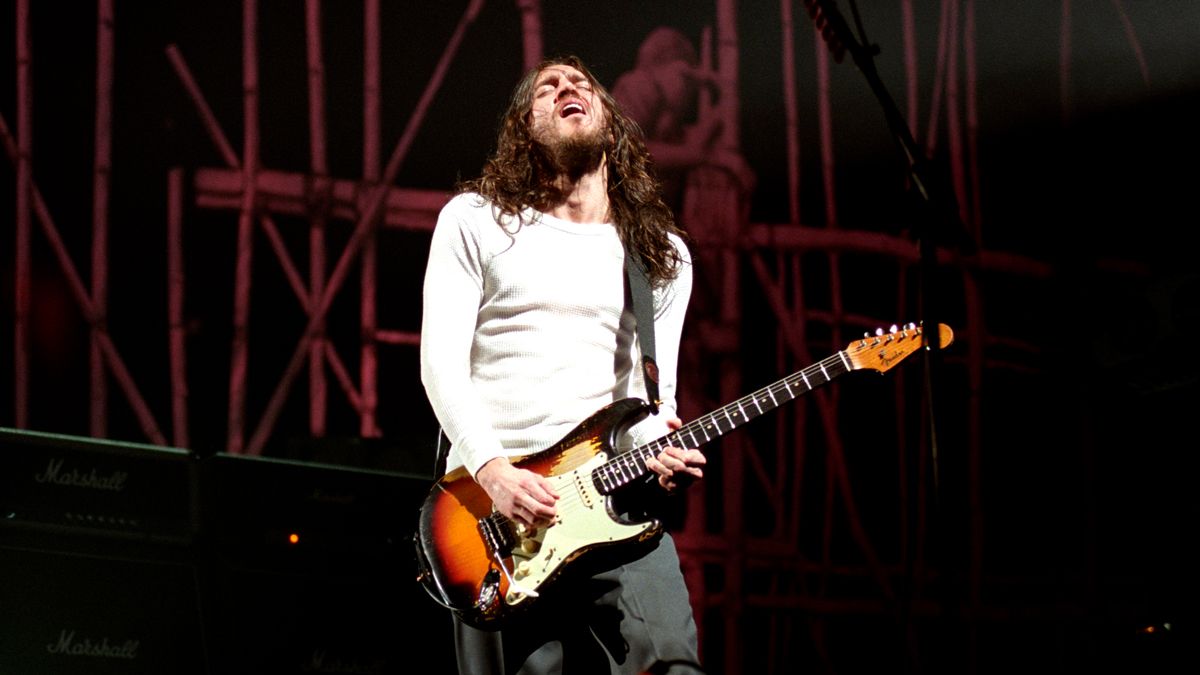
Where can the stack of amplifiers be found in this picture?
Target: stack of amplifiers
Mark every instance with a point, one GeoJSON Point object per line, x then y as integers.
{"type": "Point", "coordinates": [96, 557]}
{"type": "Point", "coordinates": [127, 558]}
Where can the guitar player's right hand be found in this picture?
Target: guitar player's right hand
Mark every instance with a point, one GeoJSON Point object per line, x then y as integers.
{"type": "Point", "coordinates": [521, 495]}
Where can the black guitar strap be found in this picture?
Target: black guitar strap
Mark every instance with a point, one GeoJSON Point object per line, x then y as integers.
{"type": "Point", "coordinates": [643, 311]}
{"type": "Point", "coordinates": [442, 452]}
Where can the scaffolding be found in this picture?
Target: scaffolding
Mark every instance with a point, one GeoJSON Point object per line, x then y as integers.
{"type": "Point", "coordinates": [775, 544]}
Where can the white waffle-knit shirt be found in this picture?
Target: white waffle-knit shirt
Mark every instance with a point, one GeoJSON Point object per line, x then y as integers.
{"type": "Point", "coordinates": [525, 331]}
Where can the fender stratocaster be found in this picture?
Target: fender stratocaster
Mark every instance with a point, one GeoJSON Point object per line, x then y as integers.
{"type": "Point", "coordinates": [486, 568]}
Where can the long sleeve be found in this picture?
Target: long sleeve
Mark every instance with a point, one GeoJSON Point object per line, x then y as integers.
{"type": "Point", "coordinates": [452, 294]}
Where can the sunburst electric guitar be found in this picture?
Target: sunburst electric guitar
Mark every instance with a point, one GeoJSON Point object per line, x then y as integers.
{"type": "Point", "coordinates": [486, 568]}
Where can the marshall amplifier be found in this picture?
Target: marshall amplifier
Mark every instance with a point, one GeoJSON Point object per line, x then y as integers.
{"type": "Point", "coordinates": [311, 571]}
{"type": "Point", "coordinates": [69, 613]}
{"type": "Point", "coordinates": [72, 485]}
{"type": "Point", "coordinates": [301, 516]}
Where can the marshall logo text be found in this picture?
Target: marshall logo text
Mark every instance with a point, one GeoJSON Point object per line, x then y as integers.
{"type": "Point", "coordinates": [54, 473]}
{"type": "Point", "coordinates": [67, 645]}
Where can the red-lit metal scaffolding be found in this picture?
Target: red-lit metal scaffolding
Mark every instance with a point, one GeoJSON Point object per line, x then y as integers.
{"type": "Point", "coordinates": [733, 573]}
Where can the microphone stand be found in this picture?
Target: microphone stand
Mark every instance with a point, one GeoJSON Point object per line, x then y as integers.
{"type": "Point", "coordinates": [939, 216]}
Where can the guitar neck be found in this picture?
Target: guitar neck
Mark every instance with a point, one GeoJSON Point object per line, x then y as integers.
{"type": "Point", "coordinates": [629, 466]}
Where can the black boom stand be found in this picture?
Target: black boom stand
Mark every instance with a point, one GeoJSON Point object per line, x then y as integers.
{"type": "Point", "coordinates": [938, 218]}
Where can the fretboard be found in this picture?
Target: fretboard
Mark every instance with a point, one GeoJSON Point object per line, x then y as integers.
{"type": "Point", "coordinates": [629, 466]}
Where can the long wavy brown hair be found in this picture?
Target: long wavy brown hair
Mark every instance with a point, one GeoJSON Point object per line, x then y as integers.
{"type": "Point", "coordinates": [519, 175]}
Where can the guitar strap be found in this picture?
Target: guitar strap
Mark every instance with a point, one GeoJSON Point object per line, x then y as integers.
{"type": "Point", "coordinates": [643, 311]}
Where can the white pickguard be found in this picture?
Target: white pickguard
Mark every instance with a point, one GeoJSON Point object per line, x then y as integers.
{"type": "Point", "coordinates": [583, 521]}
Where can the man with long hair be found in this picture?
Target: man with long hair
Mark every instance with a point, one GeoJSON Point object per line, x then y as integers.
{"type": "Point", "coordinates": [527, 331]}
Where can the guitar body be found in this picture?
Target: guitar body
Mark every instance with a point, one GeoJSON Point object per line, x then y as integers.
{"type": "Point", "coordinates": [484, 568]}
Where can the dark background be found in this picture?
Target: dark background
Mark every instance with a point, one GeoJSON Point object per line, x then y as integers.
{"type": "Point", "coordinates": [1097, 172]}
{"type": "Point", "coordinates": [1088, 385]}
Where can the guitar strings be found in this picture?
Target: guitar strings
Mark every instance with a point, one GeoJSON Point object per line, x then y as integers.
{"type": "Point", "coordinates": [625, 467]}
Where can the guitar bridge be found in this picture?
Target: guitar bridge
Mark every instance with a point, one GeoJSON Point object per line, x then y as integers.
{"type": "Point", "coordinates": [497, 532]}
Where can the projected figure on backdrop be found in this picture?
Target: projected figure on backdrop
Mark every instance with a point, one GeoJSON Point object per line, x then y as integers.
{"type": "Point", "coordinates": [706, 181]}
{"type": "Point", "coordinates": [663, 95]}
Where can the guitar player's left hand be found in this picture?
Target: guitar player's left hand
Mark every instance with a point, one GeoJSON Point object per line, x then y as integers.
{"type": "Point", "coordinates": [676, 467]}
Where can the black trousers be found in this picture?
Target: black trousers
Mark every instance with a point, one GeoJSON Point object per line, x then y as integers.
{"type": "Point", "coordinates": [628, 619]}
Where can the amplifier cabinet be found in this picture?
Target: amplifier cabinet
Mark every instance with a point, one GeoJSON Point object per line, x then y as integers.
{"type": "Point", "coordinates": [74, 485]}
{"type": "Point", "coordinates": [310, 568]}
{"type": "Point", "coordinates": [69, 613]}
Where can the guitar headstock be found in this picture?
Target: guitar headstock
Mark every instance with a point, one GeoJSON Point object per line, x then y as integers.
{"type": "Point", "coordinates": [885, 349]}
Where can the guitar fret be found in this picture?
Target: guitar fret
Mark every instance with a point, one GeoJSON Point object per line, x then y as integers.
{"type": "Point", "coordinates": [823, 372]}
{"type": "Point", "coordinates": [845, 361]}
{"type": "Point", "coordinates": [625, 475]}
{"type": "Point", "coordinates": [743, 411]}
{"type": "Point", "coordinates": [641, 460]}
{"type": "Point", "coordinates": [791, 394]}
{"type": "Point", "coordinates": [806, 382]}
{"type": "Point", "coordinates": [627, 467]}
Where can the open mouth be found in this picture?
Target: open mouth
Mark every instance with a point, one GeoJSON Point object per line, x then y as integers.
{"type": "Point", "coordinates": [571, 108]}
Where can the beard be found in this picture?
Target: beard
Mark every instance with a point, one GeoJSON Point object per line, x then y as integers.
{"type": "Point", "coordinates": [572, 155]}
